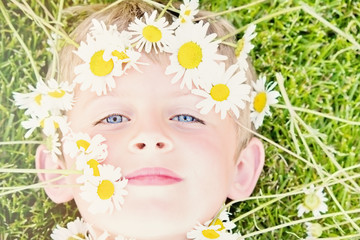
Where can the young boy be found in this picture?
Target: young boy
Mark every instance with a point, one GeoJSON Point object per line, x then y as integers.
{"type": "Point", "coordinates": [179, 163]}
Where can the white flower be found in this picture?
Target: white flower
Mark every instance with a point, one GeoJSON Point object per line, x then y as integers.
{"type": "Point", "coordinates": [59, 95]}
{"type": "Point", "coordinates": [313, 230]}
{"type": "Point", "coordinates": [151, 34]}
{"type": "Point", "coordinates": [244, 46]}
{"type": "Point", "coordinates": [49, 123]}
{"type": "Point", "coordinates": [223, 221]}
{"type": "Point", "coordinates": [77, 228]}
{"type": "Point", "coordinates": [53, 42]}
{"type": "Point", "coordinates": [101, 66]}
{"type": "Point", "coordinates": [314, 201]}
{"type": "Point", "coordinates": [227, 91]}
{"type": "Point", "coordinates": [193, 52]}
{"type": "Point", "coordinates": [187, 12]}
{"type": "Point", "coordinates": [52, 144]}
{"type": "Point", "coordinates": [33, 101]}
{"type": "Point", "coordinates": [81, 143]}
{"type": "Point", "coordinates": [201, 232]}
{"type": "Point", "coordinates": [105, 191]}
{"type": "Point", "coordinates": [129, 59]}
{"type": "Point", "coordinates": [261, 99]}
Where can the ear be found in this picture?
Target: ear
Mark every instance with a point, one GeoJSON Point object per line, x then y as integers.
{"type": "Point", "coordinates": [248, 169]}
{"type": "Point", "coordinates": [43, 160]}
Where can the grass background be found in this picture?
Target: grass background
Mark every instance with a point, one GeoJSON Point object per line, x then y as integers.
{"type": "Point", "coordinates": [321, 71]}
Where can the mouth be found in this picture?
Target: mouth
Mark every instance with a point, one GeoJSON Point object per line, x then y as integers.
{"type": "Point", "coordinates": [153, 176]}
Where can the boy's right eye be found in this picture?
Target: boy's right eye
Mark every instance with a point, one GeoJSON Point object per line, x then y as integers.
{"type": "Point", "coordinates": [114, 119]}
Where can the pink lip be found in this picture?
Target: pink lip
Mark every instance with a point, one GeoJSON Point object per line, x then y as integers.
{"type": "Point", "coordinates": [153, 176]}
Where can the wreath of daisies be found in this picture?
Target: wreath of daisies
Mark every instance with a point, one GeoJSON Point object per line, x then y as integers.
{"type": "Point", "coordinates": [108, 53]}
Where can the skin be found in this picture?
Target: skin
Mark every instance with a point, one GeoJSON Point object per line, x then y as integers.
{"type": "Point", "coordinates": [201, 151]}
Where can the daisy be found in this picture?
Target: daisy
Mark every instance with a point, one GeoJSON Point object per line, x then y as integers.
{"type": "Point", "coordinates": [100, 67]}
{"type": "Point", "coordinates": [193, 52]}
{"type": "Point", "coordinates": [187, 12]}
{"type": "Point", "coordinates": [261, 99]}
{"type": "Point", "coordinates": [77, 229]}
{"type": "Point", "coordinates": [52, 146]}
{"type": "Point", "coordinates": [226, 91]}
{"type": "Point", "coordinates": [105, 191]}
{"type": "Point", "coordinates": [223, 221]}
{"type": "Point", "coordinates": [82, 143]}
{"type": "Point", "coordinates": [202, 232]}
{"type": "Point", "coordinates": [59, 95]}
{"type": "Point", "coordinates": [129, 59]}
{"type": "Point", "coordinates": [244, 46]}
{"type": "Point", "coordinates": [151, 34]}
{"type": "Point", "coordinates": [33, 101]}
{"type": "Point", "coordinates": [53, 43]}
{"type": "Point", "coordinates": [314, 201]}
{"type": "Point", "coordinates": [313, 230]}
{"type": "Point", "coordinates": [49, 124]}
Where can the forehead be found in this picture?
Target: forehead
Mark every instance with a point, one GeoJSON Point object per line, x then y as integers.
{"type": "Point", "coordinates": [150, 83]}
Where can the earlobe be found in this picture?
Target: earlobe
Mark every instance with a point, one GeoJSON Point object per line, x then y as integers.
{"type": "Point", "coordinates": [43, 160]}
{"type": "Point", "coordinates": [248, 168]}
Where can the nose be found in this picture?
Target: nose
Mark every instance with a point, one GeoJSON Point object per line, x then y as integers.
{"type": "Point", "coordinates": [150, 142]}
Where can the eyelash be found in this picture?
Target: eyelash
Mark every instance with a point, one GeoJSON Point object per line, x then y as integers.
{"type": "Point", "coordinates": [196, 120]}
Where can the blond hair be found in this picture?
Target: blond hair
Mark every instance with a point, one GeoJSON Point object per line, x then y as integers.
{"type": "Point", "coordinates": [122, 15]}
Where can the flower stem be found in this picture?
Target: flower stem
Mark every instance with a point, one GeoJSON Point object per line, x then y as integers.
{"type": "Point", "coordinates": [229, 10]}
{"type": "Point", "coordinates": [20, 142]}
{"type": "Point", "coordinates": [54, 171]}
{"type": "Point", "coordinates": [318, 114]}
{"type": "Point", "coordinates": [164, 10]}
{"type": "Point", "coordinates": [270, 16]}
{"type": "Point", "coordinates": [299, 222]}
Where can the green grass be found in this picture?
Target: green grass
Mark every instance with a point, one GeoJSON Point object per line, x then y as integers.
{"type": "Point", "coordinates": [322, 73]}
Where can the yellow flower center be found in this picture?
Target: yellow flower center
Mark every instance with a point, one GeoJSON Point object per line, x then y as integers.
{"type": "Point", "coordinates": [94, 165]}
{"type": "Point", "coordinates": [190, 55]}
{"type": "Point", "coordinates": [220, 92]}
{"type": "Point", "coordinates": [260, 101]}
{"type": "Point", "coordinates": [77, 237]}
{"type": "Point", "coordinates": [38, 99]}
{"type": "Point", "coordinates": [98, 66]}
{"type": "Point", "coordinates": [82, 144]}
{"type": "Point", "coordinates": [210, 234]}
{"type": "Point", "coordinates": [316, 230]}
{"type": "Point", "coordinates": [187, 12]}
{"type": "Point", "coordinates": [57, 93]}
{"type": "Point", "coordinates": [120, 55]}
{"type": "Point", "coordinates": [152, 33]}
{"type": "Point", "coordinates": [42, 124]}
{"type": "Point", "coordinates": [105, 189]}
{"type": "Point", "coordinates": [219, 223]}
{"type": "Point", "coordinates": [312, 201]}
{"type": "Point", "coordinates": [183, 20]}
{"type": "Point", "coordinates": [239, 47]}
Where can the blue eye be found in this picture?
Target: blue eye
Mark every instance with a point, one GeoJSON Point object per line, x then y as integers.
{"type": "Point", "coordinates": [115, 118]}
{"type": "Point", "coordinates": [186, 118]}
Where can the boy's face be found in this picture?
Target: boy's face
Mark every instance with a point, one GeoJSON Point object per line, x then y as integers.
{"type": "Point", "coordinates": [157, 132]}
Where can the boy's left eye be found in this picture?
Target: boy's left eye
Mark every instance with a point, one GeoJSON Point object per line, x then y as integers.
{"type": "Point", "coordinates": [186, 118]}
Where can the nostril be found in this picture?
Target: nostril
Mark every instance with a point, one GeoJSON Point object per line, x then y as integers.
{"type": "Point", "coordinates": [140, 145]}
{"type": "Point", "coordinates": [160, 144]}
